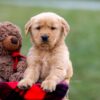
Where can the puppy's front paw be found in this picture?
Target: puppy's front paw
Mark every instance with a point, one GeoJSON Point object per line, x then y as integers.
{"type": "Point", "coordinates": [49, 85]}
{"type": "Point", "coordinates": [25, 84]}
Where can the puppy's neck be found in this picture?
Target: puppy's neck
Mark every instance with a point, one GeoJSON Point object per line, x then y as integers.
{"type": "Point", "coordinates": [42, 48]}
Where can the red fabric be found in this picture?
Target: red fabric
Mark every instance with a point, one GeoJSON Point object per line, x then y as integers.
{"type": "Point", "coordinates": [12, 84]}
{"type": "Point", "coordinates": [16, 55]}
{"type": "Point", "coordinates": [34, 93]}
{"type": "Point", "coordinates": [10, 91]}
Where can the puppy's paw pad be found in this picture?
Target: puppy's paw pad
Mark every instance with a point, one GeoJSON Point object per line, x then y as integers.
{"type": "Point", "coordinates": [25, 84]}
{"type": "Point", "coordinates": [48, 85]}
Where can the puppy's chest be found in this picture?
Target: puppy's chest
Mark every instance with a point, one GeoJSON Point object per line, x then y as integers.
{"type": "Point", "coordinates": [45, 65]}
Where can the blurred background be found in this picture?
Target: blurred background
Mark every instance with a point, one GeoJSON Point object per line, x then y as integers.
{"type": "Point", "coordinates": [83, 40]}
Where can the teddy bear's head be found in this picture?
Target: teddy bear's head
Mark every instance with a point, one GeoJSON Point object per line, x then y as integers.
{"type": "Point", "coordinates": [10, 37]}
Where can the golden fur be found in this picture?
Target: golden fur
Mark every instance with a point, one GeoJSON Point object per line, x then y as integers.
{"type": "Point", "coordinates": [49, 61]}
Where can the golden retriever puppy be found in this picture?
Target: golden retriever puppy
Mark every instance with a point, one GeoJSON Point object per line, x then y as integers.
{"type": "Point", "coordinates": [48, 58]}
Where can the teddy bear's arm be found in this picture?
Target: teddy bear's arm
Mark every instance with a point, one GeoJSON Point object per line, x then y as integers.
{"type": "Point", "coordinates": [21, 66]}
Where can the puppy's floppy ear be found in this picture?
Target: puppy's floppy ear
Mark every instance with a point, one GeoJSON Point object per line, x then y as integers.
{"type": "Point", "coordinates": [28, 26]}
{"type": "Point", "coordinates": [65, 26]}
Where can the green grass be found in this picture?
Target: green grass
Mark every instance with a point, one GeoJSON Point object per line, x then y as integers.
{"type": "Point", "coordinates": [83, 42]}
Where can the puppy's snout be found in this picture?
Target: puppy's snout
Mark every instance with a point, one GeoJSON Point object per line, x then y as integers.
{"type": "Point", "coordinates": [44, 38]}
{"type": "Point", "coordinates": [14, 40]}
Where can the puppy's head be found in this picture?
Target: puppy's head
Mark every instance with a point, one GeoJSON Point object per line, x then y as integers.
{"type": "Point", "coordinates": [47, 29]}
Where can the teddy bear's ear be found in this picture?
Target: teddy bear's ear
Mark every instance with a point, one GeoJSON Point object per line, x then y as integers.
{"type": "Point", "coordinates": [65, 26]}
{"type": "Point", "coordinates": [28, 26]}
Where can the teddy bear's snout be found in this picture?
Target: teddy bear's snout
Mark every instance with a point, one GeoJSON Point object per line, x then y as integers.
{"type": "Point", "coordinates": [14, 40]}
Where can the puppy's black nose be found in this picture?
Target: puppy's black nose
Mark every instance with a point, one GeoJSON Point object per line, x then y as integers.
{"type": "Point", "coordinates": [44, 38]}
{"type": "Point", "coordinates": [14, 40]}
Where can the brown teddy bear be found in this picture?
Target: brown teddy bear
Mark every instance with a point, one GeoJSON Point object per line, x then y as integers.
{"type": "Point", "coordinates": [12, 63]}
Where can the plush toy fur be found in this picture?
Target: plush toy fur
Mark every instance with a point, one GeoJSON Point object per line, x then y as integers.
{"type": "Point", "coordinates": [12, 63]}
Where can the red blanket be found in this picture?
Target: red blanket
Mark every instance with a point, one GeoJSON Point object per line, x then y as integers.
{"type": "Point", "coordinates": [9, 91]}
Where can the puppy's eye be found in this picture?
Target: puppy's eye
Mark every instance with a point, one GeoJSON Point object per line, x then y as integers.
{"type": "Point", "coordinates": [53, 28]}
{"type": "Point", "coordinates": [38, 28]}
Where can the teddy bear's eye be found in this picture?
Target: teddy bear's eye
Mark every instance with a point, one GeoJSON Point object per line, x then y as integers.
{"type": "Point", "coordinates": [3, 36]}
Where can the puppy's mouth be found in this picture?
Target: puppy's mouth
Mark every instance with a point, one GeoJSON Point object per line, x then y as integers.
{"type": "Point", "coordinates": [44, 46]}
